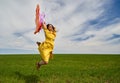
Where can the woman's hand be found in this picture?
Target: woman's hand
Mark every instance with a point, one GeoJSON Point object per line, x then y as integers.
{"type": "Point", "coordinates": [44, 25]}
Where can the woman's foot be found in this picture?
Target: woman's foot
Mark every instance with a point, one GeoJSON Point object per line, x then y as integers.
{"type": "Point", "coordinates": [38, 65]}
{"type": "Point", "coordinates": [38, 43]}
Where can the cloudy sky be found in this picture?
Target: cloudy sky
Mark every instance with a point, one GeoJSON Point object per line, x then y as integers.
{"type": "Point", "coordinates": [84, 26]}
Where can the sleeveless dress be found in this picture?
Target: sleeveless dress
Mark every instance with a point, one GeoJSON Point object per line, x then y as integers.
{"type": "Point", "coordinates": [46, 47]}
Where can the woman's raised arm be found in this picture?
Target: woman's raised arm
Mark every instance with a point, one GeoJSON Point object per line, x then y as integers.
{"type": "Point", "coordinates": [44, 25]}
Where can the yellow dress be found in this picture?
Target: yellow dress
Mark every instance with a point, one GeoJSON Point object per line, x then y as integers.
{"type": "Point", "coordinates": [46, 47]}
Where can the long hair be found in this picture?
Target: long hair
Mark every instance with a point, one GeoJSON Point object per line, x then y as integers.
{"type": "Point", "coordinates": [52, 27]}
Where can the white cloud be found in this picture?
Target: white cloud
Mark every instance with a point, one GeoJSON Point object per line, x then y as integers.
{"type": "Point", "coordinates": [67, 15]}
{"type": "Point", "coordinates": [99, 44]}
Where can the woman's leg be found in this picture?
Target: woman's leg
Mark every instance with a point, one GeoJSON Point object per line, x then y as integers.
{"type": "Point", "coordinates": [39, 64]}
{"type": "Point", "coordinates": [43, 62]}
{"type": "Point", "coordinates": [51, 55]}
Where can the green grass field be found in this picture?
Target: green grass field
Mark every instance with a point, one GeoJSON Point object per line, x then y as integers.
{"type": "Point", "coordinates": [64, 68]}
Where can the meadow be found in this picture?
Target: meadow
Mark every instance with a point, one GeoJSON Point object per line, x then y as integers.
{"type": "Point", "coordinates": [64, 68]}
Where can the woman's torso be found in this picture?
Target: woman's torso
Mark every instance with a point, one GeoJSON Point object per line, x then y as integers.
{"type": "Point", "coordinates": [49, 36]}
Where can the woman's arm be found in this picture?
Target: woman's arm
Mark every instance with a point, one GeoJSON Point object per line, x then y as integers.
{"type": "Point", "coordinates": [44, 25]}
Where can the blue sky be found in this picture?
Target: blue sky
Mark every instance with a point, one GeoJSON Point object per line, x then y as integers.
{"type": "Point", "coordinates": [84, 26]}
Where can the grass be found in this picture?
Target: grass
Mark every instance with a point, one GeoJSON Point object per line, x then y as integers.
{"type": "Point", "coordinates": [64, 68]}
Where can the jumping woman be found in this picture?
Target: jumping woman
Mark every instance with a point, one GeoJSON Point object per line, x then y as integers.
{"type": "Point", "coordinates": [46, 48]}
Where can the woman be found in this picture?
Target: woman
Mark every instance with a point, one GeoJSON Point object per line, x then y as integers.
{"type": "Point", "coordinates": [45, 48]}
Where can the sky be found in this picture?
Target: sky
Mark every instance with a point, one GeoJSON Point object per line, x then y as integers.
{"type": "Point", "coordinates": [83, 26]}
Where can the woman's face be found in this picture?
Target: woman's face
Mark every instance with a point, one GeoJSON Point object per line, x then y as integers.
{"type": "Point", "coordinates": [50, 28]}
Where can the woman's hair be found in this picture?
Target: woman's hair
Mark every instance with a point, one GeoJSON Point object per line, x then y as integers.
{"type": "Point", "coordinates": [52, 27]}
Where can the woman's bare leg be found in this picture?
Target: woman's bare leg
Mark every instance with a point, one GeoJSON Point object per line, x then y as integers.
{"type": "Point", "coordinates": [39, 64]}
{"type": "Point", "coordinates": [43, 62]}
{"type": "Point", "coordinates": [51, 55]}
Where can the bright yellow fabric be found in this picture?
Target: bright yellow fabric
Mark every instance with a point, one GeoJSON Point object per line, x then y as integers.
{"type": "Point", "coordinates": [47, 46]}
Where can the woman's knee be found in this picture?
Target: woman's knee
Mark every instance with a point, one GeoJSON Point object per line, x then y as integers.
{"type": "Point", "coordinates": [46, 62]}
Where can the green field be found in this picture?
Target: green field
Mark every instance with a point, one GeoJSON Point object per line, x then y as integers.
{"type": "Point", "coordinates": [64, 68]}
